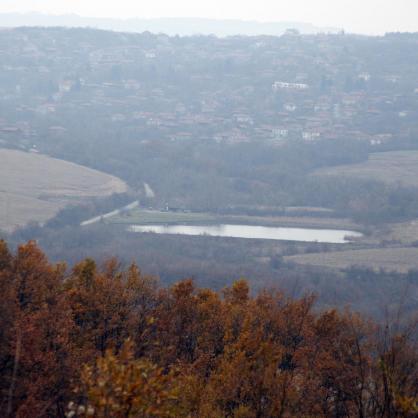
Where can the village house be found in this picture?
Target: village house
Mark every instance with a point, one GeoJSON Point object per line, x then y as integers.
{"type": "Point", "coordinates": [243, 119]}
{"type": "Point", "coordinates": [279, 133]}
{"type": "Point", "coordinates": [309, 136]}
{"type": "Point", "coordinates": [281, 85]}
{"type": "Point", "coordinates": [65, 86]}
{"type": "Point", "coordinates": [364, 76]}
{"type": "Point", "coordinates": [290, 107]}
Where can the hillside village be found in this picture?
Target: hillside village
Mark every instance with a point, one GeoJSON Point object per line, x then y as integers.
{"type": "Point", "coordinates": [232, 90]}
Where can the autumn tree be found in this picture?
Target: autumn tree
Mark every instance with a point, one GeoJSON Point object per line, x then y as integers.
{"type": "Point", "coordinates": [99, 307]}
{"type": "Point", "coordinates": [120, 386]}
{"type": "Point", "coordinates": [37, 365]}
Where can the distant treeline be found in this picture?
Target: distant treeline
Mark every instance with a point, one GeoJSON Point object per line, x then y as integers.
{"type": "Point", "coordinates": [216, 262]}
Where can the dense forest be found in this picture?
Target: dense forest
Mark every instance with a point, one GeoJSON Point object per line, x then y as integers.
{"type": "Point", "coordinates": [103, 341]}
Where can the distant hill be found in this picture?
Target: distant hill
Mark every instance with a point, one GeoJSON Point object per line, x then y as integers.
{"type": "Point", "coordinates": [170, 26]}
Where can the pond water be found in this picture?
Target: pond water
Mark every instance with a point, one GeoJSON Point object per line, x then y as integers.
{"type": "Point", "coordinates": [331, 236]}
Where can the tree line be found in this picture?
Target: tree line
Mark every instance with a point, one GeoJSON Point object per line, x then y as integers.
{"type": "Point", "coordinates": [103, 341]}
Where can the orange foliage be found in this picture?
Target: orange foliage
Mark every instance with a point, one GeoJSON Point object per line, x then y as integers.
{"type": "Point", "coordinates": [108, 342]}
{"type": "Point", "coordinates": [122, 386]}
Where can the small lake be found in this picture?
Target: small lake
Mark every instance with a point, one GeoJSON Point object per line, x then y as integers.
{"type": "Point", "coordinates": [330, 236]}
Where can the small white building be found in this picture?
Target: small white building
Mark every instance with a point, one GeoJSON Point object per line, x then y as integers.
{"type": "Point", "coordinates": [281, 85]}
{"type": "Point", "coordinates": [310, 136]}
{"type": "Point", "coordinates": [364, 76]}
{"type": "Point", "coordinates": [244, 119]}
{"type": "Point", "coordinates": [290, 107]}
{"type": "Point", "coordinates": [279, 133]}
{"type": "Point", "coordinates": [65, 86]}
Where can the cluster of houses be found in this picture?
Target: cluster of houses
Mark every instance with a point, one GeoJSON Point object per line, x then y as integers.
{"type": "Point", "coordinates": [215, 93]}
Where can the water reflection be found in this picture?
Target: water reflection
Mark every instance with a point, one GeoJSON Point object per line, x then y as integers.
{"type": "Point", "coordinates": [331, 236]}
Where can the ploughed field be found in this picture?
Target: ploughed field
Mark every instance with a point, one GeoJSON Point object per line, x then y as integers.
{"type": "Point", "coordinates": [33, 187]}
{"type": "Point", "coordinates": [391, 259]}
{"type": "Point", "coordinates": [393, 167]}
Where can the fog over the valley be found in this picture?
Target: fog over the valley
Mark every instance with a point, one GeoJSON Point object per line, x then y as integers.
{"type": "Point", "coordinates": [358, 16]}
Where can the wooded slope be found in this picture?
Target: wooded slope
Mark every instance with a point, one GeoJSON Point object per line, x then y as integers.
{"type": "Point", "coordinates": [107, 342]}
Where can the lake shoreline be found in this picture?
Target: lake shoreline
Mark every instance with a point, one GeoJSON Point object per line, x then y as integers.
{"type": "Point", "coordinates": [326, 236]}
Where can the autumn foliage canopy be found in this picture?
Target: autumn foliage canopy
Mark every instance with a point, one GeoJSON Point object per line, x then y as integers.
{"type": "Point", "coordinates": [108, 342]}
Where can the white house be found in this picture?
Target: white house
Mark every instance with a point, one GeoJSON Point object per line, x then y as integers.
{"type": "Point", "coordinates": [310, 136]}
{"type": "Point", "coordinates": [281, 85]}
{"type": "Point", "coordinates": [279, 133]}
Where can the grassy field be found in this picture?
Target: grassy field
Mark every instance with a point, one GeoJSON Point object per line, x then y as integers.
{"type": "Point", "coordinates": [147, 217]}
{"type": "Point", "coordinates": [401, 234]}
{"type": "Point", "coordinates": [34, 187]}
{"type": "Point", "coordinates": [391, 259]}
{"type": "Point", "coordinates": [397, 167]}
{"type": "Point", "coordinates": [405, 232]}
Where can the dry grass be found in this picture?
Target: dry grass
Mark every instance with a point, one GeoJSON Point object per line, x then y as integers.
{"type": "Point", "coordinates": [397, 167]}
{"type": "Point", "coordinates": [144, 217]}
{"type": "Point", "coordinates": [34, 187]}
{"type": "Point", "coordinates": [391, 259]}
{"type": "Point", "coordinates": [405, 232]}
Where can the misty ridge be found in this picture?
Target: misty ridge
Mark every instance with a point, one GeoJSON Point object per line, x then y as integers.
{"type": "Point", "coordinates": [169, 26]}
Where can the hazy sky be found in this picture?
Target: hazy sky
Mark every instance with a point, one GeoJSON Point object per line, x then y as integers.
{"type": "Point", "coordinates": [365, 16]}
